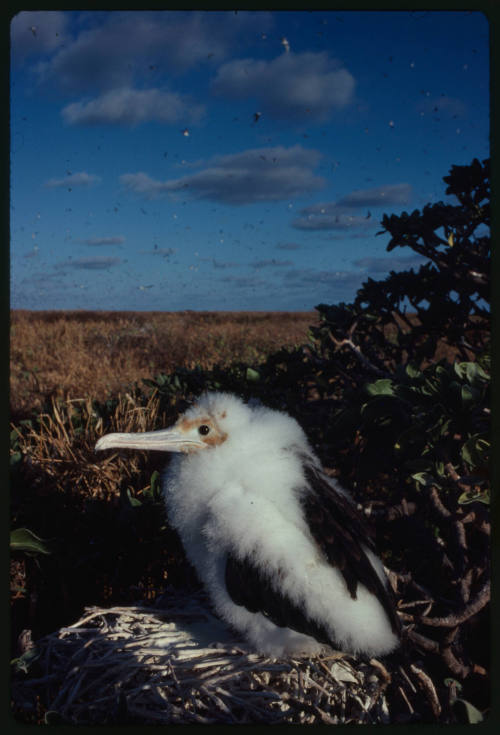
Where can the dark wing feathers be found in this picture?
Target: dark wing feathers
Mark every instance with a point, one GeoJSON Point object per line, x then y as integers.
{"type": "Point", "coordinates": [250, 586]}
{"type": "Point", "coordinates": [340, 532]}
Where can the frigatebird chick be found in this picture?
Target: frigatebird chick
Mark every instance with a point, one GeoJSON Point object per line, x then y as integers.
{"type": "Point", "coordinates": [283, 553]}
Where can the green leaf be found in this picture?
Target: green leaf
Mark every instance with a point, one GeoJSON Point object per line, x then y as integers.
{"type": "Point", "coordinates": [382, 387]}
{"type": "Point", "coordinates": [475, 372]}
{"type": "Point", "coordinates": [23, 663]}
{"type": "Point", "coordinates": [134, 502]}
{"type": "Point", "coordinates": [440, 468]}
{"type": "Point", "coordinates": [473, 714]}
{"type": "Point", "coordinates": [153, 492]}
{"type": "Point", "coordinates": [424, 478]}
{"type": "Point", "coordinates": [467, 396]}
{"type": "Point", "coordinates": [449, 681]}
{"type": "Point", "coordinates": [441, 372]}
{"type": "Point", "coordinates": [475, 451]}
{"type": "Point", "coordinates": [470, 371]}
{"type": "Point", "coordinates": [155, 482]}
{"type": "Point", "coordinates": [15, 458]}
{"type": "Point", "coordinates": [22, 539]}
{"type": "Point", "coordinates": [469, 496]}
{"type": "Point", "coordinates": [413, 371]}
{"type": "Point", "coordinates": [252, 375]}
{"type": "Point", "coordinates": [445, 427]}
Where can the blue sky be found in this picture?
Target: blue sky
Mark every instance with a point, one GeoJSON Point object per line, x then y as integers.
{"type": "Point", "coordinates": [212, 160]}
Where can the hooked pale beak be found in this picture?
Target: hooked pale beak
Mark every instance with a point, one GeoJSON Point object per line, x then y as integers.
{"type": "Point", "coordinates": [164, 440]}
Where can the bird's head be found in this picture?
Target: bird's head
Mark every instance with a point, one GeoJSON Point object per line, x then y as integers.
{"type": "Point", "coordinates": [205, 424]}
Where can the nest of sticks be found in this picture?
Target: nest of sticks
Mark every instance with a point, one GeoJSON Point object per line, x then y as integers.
{"type": "Point", "coordinates": [176, 663]}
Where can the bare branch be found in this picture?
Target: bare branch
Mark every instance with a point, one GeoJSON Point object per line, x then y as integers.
{"type": "Point", "coordinates": [437, 503]}
{"type": "Point", "coordinates": [456, 667]}
{"type": "Point", "coordinates": [429, 688]}
{"type": "Point", "coordinates": [480, 601]}
{"type": "Point", "coordinates": [421, 640]}
{"type": "Point", "coordinates": [357, 352]}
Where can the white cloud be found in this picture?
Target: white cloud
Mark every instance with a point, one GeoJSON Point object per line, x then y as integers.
{"type": "Point", "coordinates": [376, 196]}
{"type": "Point", "coordinates": [255, 175]}
{"type": "Point", "coordinates": [113, 240]}
{"type": "Point", "coordinates": [270, 263]}
{"type": "Point", "coordinates": [444, 105]}
{"type": "Point", "coordinates": [243, 281]}
{"type": "Point", "coordinates": [82, 178]}
{"type": "Point", "coordinates": [127, 106]}
{"type": "Point", "coordinates": [395, 263]}
{"type": "Point", "coordinates": [97, 263]}
{"type": "Point", "coordinates": [142, 184]}
{"type": "Point", "coordinates": [307, 276]}
{"type": "Point", "coordinates": [37, 32]}
{"type": "Point", "coordinates": [220, 263]}
{"type": "Point", "coordinates": [337, 215]}
{"type": "Point", "coordinates": [322, 221]}
{"type": "Point", "coordinates": [120, 47]}
{"type": "Point", "coordinates": [305, 86]}
{"type": "Point", "coordinates": [165, 252]}
{"type": "Point", "coordinates": [288, 246]}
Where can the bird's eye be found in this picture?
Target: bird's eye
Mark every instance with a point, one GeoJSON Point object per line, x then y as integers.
{"type": "Point", "coordinates": [203, 429]}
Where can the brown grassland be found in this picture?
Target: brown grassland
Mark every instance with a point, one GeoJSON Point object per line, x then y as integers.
{"type": "Point", "coordinates": [94, 354]}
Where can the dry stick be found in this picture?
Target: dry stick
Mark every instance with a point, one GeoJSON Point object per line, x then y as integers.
{"type": "Point", "coordinates": [480, 601]}
{"type": "Point", "coordinates": [93, 642]}
{"type": "Point", "coordinates": [462, 546]}
{"type": "Point", "coordinates": [461, 541]}
{"type": "Point", "coordinates": [320, 688]}
{"type": "Point", "coordinates": [455, 476]}
{"type": "Point", "coordinates": [382, 683]}
{"type": "Point", "coordinates": [438, 504]}
{"type": "Point", "coordinates": [421, 640]}
{"type": "Point", "coordinates": [380, 667]}
{"type": "Point", "coordinates": [465, 585]}
{"type": "Point", "coordinates": [408, 579]}
{"type": "Point", "coordinates": [403, 672]}
{"type": "Point", "coordinates": [301, 703]}
{"type": "Point", "coordinates": [94, 614]}
{"type": "Point", "coordinates": [393, 512]}
{"type": "Point", "coordinates": [456, 667]}
{"type": "Point", "coordinates": [325, 718]}
{"type": "Point", "coordinates": [446, 652]}
{"type": "Point", "coordinates": [242, 699]}
{"type": "Point", "coordinates": [429, 688]}
{"type": "Point", "coordinates": [401, 691]}
{"type": "Point", "coordinates": [357, 352]}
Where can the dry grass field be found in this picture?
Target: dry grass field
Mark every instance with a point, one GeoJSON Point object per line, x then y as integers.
{"type": "Point", "coordinates": [86, 354]}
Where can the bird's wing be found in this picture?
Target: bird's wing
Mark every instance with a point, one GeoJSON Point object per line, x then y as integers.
{"type": "Point", "coordinates": [250, 586]}
{"type": "Point", "coordinates": [343, 536]}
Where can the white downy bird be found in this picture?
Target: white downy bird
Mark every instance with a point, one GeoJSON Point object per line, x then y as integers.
{"type": "Point", "coordinates": [283, 553]}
